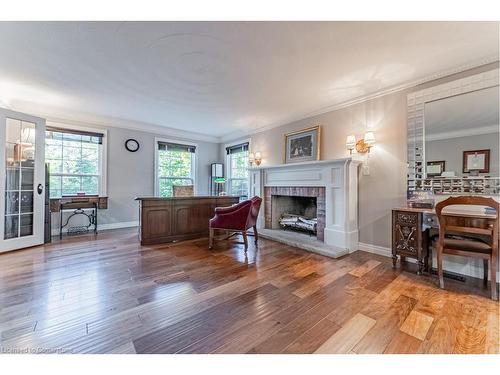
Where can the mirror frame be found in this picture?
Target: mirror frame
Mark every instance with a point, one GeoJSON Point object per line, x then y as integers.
{"type": "Point", "coordinates": [416, 117]}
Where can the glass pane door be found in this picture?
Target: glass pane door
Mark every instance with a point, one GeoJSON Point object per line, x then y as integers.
{"type": "Point", "coordinates": [20, 144]}
{"type": "Point", "coordinates": [22, 180]}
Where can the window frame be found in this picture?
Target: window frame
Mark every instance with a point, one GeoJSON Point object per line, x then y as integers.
{"type": "Point", "coordinates": [103, 159]}
{"type": "Point", "coordinates": [227, 168]}
{"type": "Point", "coordinates": [194, 164]}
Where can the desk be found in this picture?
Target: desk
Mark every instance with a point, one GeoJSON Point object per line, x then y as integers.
{"type": "Point", "coordinates": [178, 218]}
{"type": "Point", "coordinates": [411, 228]}
{"type": "Point", "coordinates": [77, 204]}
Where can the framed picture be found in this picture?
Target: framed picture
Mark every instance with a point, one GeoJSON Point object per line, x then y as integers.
{"type": "Point", "coordinates": [302, 145]}
{"type": "Point", "coordinates": [435, 168]}
{"type": "Point", "coordinates": [476, 160]}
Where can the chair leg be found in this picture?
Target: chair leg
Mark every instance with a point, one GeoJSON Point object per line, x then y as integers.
{"type": "Point", "coordinates": [256, 234]}
{"type": "Point", "coordinates": [245, 239]}
{"type": "Point", "coordinates": [440, 266]}
{"type": "Point", "coordinates": [493, 271]}
{"type": "Point", "coordinates": [485, 272]}
{"type": "Point", "coordinates": [211, 239]}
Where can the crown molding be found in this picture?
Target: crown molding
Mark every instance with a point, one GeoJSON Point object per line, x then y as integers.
{"type": "Point", "coordinates": [491, 129]}
{"type": "Point", "coordinates": [393, 89]}
{"type": "Point", "coordinates": [83, 120]}
{"type": "Point", "coordinates": [138, 126]}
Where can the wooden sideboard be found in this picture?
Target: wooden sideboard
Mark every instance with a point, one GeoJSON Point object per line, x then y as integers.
{"type": "Point", "coordinates": [178, 218]}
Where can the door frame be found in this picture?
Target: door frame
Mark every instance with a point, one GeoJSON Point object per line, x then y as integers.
{"type": "Point", "coordinates": [37, 237]}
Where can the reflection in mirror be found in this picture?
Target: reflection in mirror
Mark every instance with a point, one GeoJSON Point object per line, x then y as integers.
{"type": "Point", "coordinates": [453, 137]}
{"type": "Point", "coordinates": [461, 123]}
{"type": "Point", "coordinates": [461, 150]}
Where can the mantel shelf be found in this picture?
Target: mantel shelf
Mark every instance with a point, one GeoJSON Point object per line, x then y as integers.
{"type": "Point", "coordinates": [307, 163]}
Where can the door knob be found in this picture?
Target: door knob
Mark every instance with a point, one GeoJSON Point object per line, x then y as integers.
{"type": "Point", "coordinates": [39, 189]}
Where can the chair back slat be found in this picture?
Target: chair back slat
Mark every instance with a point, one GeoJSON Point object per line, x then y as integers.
{"type": "Point", "coordinates": [471, 230]}
{"type": "Point", "coordinates": [452, 223]}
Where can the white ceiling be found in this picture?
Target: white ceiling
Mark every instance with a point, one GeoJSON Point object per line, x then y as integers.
{"type": "Point", "coordinates": [220, 78]}
{"type": "Point", "coordinates": [471, 113]}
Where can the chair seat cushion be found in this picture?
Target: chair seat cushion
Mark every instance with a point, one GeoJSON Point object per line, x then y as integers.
{"type": "Point", "coordinates": [466, 244]}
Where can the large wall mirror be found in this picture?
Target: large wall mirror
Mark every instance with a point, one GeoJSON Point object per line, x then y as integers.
{"type": "Point", "coordinates": [453, 137]}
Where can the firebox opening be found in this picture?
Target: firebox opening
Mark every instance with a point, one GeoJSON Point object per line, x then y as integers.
{"type": "Point", "coordinates": [294, 213]}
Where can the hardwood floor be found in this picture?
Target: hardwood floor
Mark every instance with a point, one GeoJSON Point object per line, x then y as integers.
{"type": "Point", "coordinates": [111, 295]}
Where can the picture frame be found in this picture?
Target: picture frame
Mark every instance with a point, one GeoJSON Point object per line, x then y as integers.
{"type": "Point", "coordinates": [435, 168]}
{"type": "Point", "coordinates": [302, 145]}
{"type": "Point", "coordinates": [476, 160]}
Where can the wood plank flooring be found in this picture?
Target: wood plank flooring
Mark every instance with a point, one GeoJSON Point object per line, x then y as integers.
{"type": "Point", "coordinates": [111, 295]}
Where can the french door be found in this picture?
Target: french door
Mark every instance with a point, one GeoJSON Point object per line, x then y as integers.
{"type": "Point", "coordinates": [22, 180]}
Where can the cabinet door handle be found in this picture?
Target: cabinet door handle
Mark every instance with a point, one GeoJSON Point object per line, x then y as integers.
{"type": "Point", "coordinates": [39, 189]}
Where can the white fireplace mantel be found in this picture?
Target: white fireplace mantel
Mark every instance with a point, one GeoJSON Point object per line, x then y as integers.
{"type": "Point", "coordinates": [339, 177]}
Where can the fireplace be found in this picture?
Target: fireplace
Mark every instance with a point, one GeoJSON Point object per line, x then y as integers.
{"type": "Point", "coordinates": [294, 213]}
{"type": "Point", "coordinates": [302, 208]}
{"type": "Point", "coordinates": [334, 185]}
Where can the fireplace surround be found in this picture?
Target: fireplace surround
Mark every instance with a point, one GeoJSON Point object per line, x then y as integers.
{"type": "Point", "coordinates": [334, 183]}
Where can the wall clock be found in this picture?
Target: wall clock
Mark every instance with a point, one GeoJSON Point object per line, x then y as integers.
{"type": "Point", "coordinates": [132, 145]}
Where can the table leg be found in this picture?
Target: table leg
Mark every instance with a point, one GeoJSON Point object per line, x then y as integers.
{"type": "Point", "coordinates": [426, 249]}
{"type": "Point", "coordinates": [60, 222]}
{"type": "Point", "coordinates": [95, 218]}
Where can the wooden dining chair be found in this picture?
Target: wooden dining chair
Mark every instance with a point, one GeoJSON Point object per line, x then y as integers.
{"type": "Point", "coordinates": [469, 236]}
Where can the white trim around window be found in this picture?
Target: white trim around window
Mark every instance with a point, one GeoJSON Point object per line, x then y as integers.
{"type": "Point", "coordinates": [194, 169]}
{"type": "Point", "coordinates": [227, 168]}
{"type": "Point", "coordinates": [103, 159]}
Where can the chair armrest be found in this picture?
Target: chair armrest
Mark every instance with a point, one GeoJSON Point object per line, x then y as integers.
{"type": "Point", "coordinates": [225, 210]}
{"type": "Point", "coordinates": [234, 217]}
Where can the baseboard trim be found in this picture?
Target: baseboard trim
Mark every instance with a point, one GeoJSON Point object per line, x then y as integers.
{"type": "Point", "coordinates": [469, 269]}
{"type": "Point", "coordinates": [380, 250]}
{"type": "Point", "coordinates": [105, 226]}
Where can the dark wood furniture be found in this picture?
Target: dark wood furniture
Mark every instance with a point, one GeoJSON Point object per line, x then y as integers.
{"type": "Point", "coordinates": [411, 232]}
{"type": "Point", "coordinates": [470, 237]}
{"type": "Point", "coordinates": [78, 204]}
{"type": "Point", "coordinates": [178, 218]}
{"type": "Point", "coordinates": [409, 237]}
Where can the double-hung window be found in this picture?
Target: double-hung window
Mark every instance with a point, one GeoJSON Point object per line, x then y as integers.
{"type": "Point", "coordinates": [237, 173]}
{"type": "Point", "coordinates": [175, 166]}
{"type": "Point", "coordinates": [75, 161]}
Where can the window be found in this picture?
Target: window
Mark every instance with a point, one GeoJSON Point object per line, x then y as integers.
{"type": "Point", "coordinates": [75, 161]}
{"type": "Point", "coordinates": [175, 165]}
{"type": "Point", "coordinates": [237, 173]}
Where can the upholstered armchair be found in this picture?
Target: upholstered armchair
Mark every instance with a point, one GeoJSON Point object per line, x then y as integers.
{"type": "Point", "coordinates": [237, 219]}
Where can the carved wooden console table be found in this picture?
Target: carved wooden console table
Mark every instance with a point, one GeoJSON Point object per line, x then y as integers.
{"type": "Point", "coordinates": [409, 238]}
{"type": "Point", "coordinates": [411, 231]}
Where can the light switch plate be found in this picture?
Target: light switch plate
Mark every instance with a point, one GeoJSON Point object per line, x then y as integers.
{"type": "Point", "coordinates": [366, 170]}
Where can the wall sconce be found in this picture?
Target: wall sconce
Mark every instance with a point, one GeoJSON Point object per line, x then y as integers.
{"type": "Point", "coordinates": [350, 143]}
{"type": "Point", "coordinates": [255, 158]}
{"type": "Point", "coordinates": [363, 145]}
